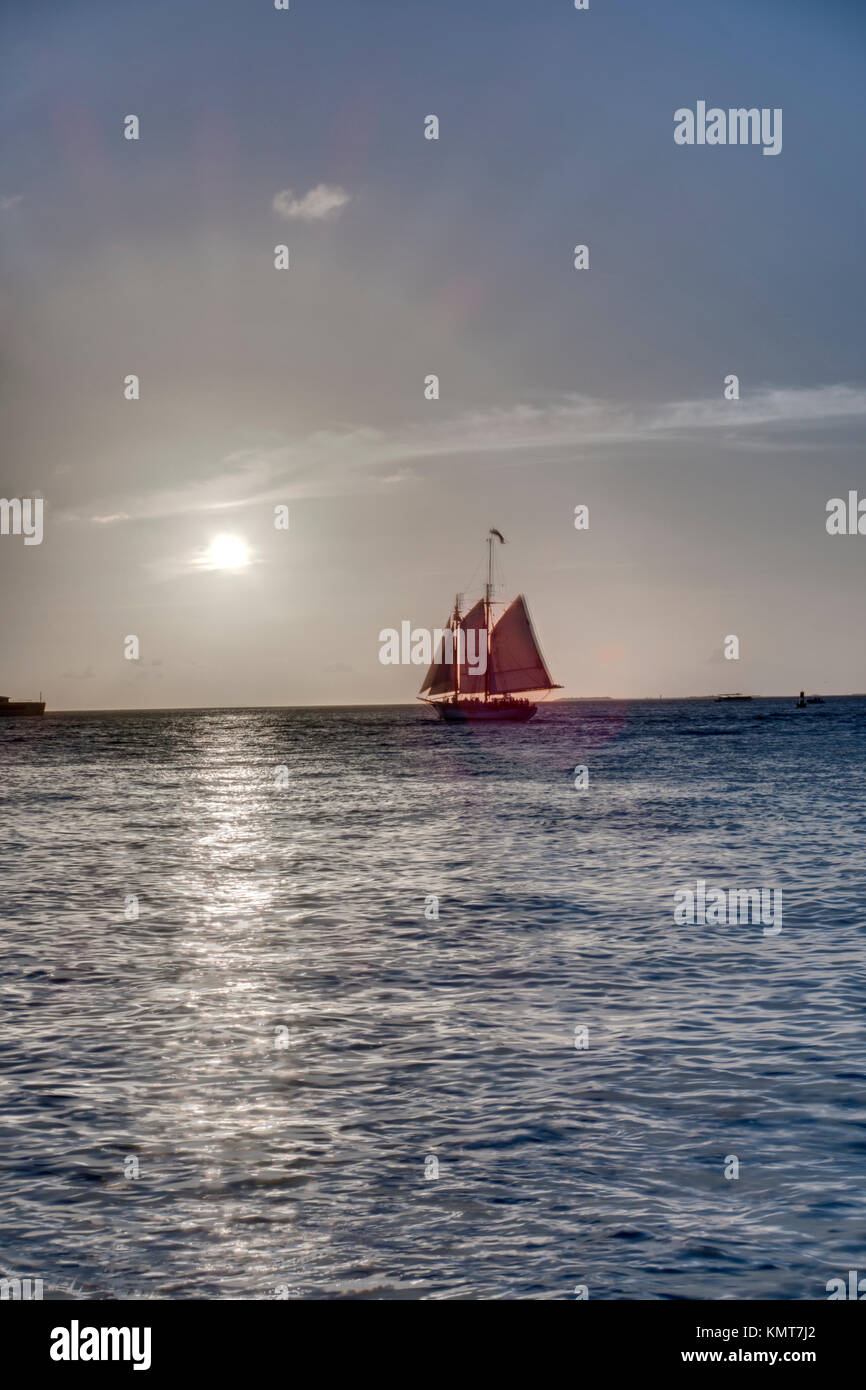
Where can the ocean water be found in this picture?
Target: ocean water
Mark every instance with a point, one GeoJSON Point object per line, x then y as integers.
{"type": "Point", "coordinates": [284, 1047]}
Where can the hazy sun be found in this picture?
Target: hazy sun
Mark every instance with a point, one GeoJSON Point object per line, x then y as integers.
{"type": "Point", "coordinates": [227, 553]}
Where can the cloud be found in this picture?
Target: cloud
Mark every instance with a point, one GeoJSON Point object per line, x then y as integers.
{"type": "Point", "coordinates": [320, 204]}
{"type": "Point", "coordinates": [86, 675]}
{"type": "Point", "coordinates": [575, 420]}
{"type": "Point", "coordinates": [356, 459]}
{"type": "Point", "coordinates": [11, 202]}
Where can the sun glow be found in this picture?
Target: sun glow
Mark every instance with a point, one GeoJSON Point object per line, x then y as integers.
{"type": "Point", "coordinates": [226, 553]}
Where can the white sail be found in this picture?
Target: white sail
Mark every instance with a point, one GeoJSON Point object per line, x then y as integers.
{"type": "Point", "coordinates": [516, 662]}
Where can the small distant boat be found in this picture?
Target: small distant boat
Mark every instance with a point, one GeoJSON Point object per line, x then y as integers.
{"type": "Point", "coordinates": [805, 700]}
{"type": "Point", "coordinates": [24, 709]}
{"type": "Point", "coordinates": [514, 663]}
{"type": "Point", "coordinates": [735, 696]}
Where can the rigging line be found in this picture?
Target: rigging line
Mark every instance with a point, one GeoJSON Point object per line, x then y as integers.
{"type": "Point", "coordinates": [469, 589]}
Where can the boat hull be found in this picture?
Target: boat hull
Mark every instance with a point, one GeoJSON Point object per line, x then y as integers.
{"type": "Point", "coordinates": [21, 709]}
{"type": "Point", "coordinates": [479, 712]}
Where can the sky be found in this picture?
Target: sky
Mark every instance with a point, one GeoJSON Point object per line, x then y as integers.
{"type": "Point", "coordinates": [305, 388]}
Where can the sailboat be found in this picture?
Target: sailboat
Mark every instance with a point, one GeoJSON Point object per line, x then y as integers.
{"type": "Point", "coordinates": [458, 690]}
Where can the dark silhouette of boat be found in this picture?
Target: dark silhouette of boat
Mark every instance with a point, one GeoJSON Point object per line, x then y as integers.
{"type": "Point", "coordinates": [20, 709]}
{"type": "Point", "coordinates": [735, 696]}
{"type": "Point", "coordinates": [514, 663]}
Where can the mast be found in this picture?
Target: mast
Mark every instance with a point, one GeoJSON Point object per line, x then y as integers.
{"type": "Point", "coordinates": [488, 595]}
{"type": "Point", "coordinates": [488, 600]}
{"type": "Point", "coordinates": [455, 627]}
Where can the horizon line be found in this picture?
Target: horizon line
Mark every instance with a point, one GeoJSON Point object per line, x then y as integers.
{"type": "Point", "coordinates": [407, 704]}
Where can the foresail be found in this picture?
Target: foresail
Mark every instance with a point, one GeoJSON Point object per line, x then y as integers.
{"type": "Point", "coordinates": [440, 676]}
{"type": "Point", "coordinates": [516, 662]}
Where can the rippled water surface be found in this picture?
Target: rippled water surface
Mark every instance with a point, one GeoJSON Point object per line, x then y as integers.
{"type": "Point", "coordinates": [273, 914]}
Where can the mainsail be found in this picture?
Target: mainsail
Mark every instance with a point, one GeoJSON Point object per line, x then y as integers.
{"type": "Point", "coordinates": [474, 650]}
{"type": "Point", "coordinates": [439, 679]}
{"type": "Point", "coordinates": [516, 662]}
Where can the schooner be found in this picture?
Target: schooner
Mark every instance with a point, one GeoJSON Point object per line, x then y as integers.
{"type": "Point", "coordinates": [459, 691]}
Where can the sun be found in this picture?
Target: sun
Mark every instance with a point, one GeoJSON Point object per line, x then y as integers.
{"type": "Point", "coordinates": [226, 553]}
